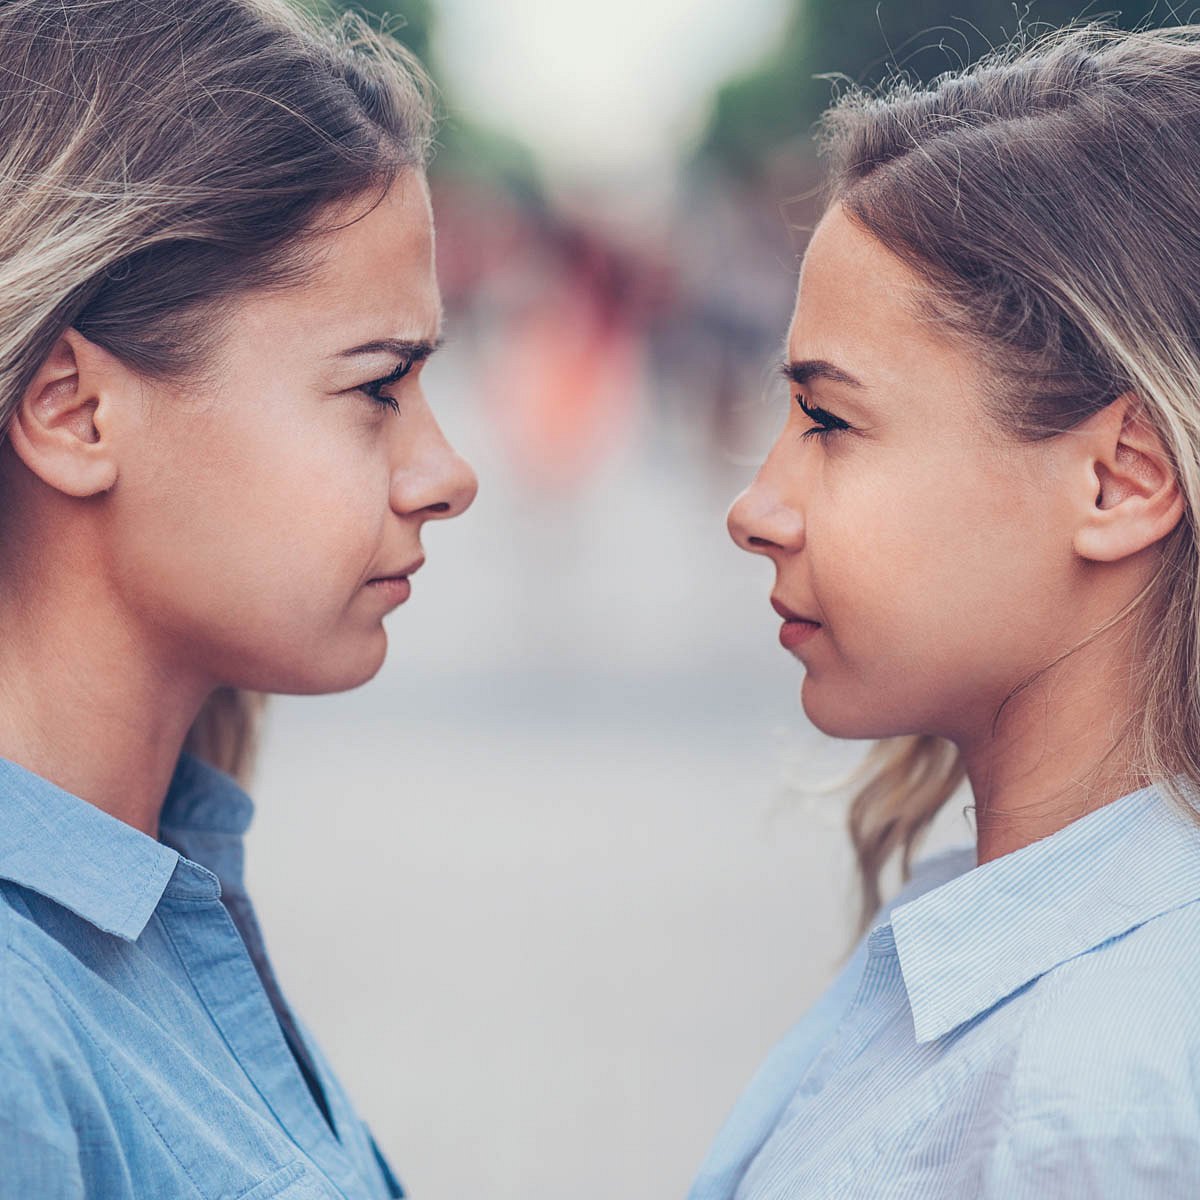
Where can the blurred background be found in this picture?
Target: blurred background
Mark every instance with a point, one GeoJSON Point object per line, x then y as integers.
{"type": "Point", "coordinates": [566, 875]}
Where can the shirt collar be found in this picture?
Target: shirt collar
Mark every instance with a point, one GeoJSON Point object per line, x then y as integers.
{"type": "Point", "coordinates": [95, 864]}
{"type": "Point", "coordinates": [969, 943]}
{"type": "Point", "coordinates": [204, 817]}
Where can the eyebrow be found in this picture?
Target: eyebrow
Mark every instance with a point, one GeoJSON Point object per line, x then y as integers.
{"type": "Point", "coordinates": [817, 368]}
{"type": "Point", "coordinates": [414, 351]}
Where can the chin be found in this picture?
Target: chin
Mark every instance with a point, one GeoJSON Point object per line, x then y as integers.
{"type": "Point", "coordinates": [348, 673]}
{"type": "Point", "coordinates": [845, 716]}
{"type": "Point", "coordinates": [339, 668]}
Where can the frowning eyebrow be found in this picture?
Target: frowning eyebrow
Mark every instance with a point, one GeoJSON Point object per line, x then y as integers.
{"type": "Point", "coordinates": [412, 351]}
{"type": "Point", "coordinates": [816, 368]}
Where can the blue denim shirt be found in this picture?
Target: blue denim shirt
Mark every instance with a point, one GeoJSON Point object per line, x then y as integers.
{"type": "Point", "coordinates": [145, 1048]}
{"type": "Point", "coordinates": [1025, 1029]}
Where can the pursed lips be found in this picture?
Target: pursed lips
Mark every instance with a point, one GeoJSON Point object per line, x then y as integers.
{"type": "Point", "coordinates": [788, 615]}
{"type": "Point", "coordinates": [403, 573]}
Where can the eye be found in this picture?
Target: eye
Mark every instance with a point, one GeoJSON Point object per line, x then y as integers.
{"type": "Point", "coordinates": [827, 423]}
{"type": "Point", "coordinates": [375, 388]}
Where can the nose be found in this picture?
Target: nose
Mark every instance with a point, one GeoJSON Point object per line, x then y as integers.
{"type": "Point", "coordinates": [761, 521]}
{"type": "Point", "coordinates": [434, 481]}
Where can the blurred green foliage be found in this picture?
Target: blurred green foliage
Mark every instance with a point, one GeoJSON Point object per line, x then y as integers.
{"type": "Point", "coordinates": [863, 40]}
{"type": "Point", "coordinates": [465, 147]}
{"type": "Point", "coordinates": [408, 21]}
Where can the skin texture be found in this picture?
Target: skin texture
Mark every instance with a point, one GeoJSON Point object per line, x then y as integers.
{"type": "Point", "coordinates": [945, 562]}
{"type": "Point", "coordinates": [158, 541]}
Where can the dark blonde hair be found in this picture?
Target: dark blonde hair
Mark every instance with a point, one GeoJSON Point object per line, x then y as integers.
{"type": "Point", "coordinates": [1049, 196]}
{"type": "Point", "coordinates": [160, 157]}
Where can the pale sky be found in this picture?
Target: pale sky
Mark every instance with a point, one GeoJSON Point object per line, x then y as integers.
{"type": "Point", "coordinates": [599, 88]}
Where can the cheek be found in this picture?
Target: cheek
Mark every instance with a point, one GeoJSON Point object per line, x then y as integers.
{"type": "Point", "coordinates": [260, 531]}
{"type": "Point", "coordinates": [932, 573]}
{"type": "Point", "coordinates": [922, 541]}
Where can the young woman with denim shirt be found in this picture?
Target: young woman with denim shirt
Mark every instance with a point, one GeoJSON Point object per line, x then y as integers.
{"type": "Point", "coordinates": [217, 292]}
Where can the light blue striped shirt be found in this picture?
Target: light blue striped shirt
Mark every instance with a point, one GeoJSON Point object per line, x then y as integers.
{"type": "Point", "coordinates": [146, 1051]}
{"type": "Point", "coordinates": [1025, 1028]}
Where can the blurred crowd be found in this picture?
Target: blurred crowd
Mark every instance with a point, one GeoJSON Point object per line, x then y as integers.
{"type": "Point", "coordinates": [579, 320]}
{"type": "Point", "coordinates": [573, 325]}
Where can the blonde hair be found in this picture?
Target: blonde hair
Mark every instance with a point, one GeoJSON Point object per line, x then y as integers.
{"type": "Point", "coordinates": [1049, 198]}
{"type": "Point", "coordinates": [157, 160]}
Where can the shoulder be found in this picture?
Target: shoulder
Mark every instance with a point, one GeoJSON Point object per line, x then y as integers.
{"type": "Point", "coordinates": [42, 1091]}
{"type": "Point", "coordinates": [39, 954]}
{"type": "Point", "coordinates": [43, 1077]}
{"type": "Point", "coordinates": [1110, 1039]}
{"type": "Point", "coordinates": [1094, 1091]}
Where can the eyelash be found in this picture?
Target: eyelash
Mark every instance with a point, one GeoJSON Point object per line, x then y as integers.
{"type": "Point", "coordinates": [373, 389]}
{"type": "Point", "coordinates": [827, 423]}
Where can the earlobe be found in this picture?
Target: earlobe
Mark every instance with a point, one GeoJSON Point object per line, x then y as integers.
{"type": "Point", "coordinates": [1137, 500]}
{"type": "Point", "coordinates": [58, 431]}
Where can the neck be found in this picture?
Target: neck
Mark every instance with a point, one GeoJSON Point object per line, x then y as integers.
{"type": "Point", "coordinates": [84, 700]}
{"type": "Point", "coordinates": [1060, 753]}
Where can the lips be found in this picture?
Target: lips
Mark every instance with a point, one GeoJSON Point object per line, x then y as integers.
{"type": "Point", "coordinates": [402, 573]}
{"type": "Point", "coordinates": [796, 628]}
{"type": "Point", "coordinates": [788, 615]}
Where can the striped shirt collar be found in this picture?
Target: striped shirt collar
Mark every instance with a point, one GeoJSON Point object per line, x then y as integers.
{"type": "Point", "coordinates": [102, 869]}
{"type": "Point", "coordinates": [969, 943]}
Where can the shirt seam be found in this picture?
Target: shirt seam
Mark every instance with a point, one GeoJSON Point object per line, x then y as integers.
{"type": "Point", "coordinates": [6, 916]}
{"type": "Point", "coordinates": [70, 1007]}
{"type": "Point", "coordinates": [237, 1056]}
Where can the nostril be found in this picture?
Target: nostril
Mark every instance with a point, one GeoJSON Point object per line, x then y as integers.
{"type": "Point", "coordinates": [758, 541]}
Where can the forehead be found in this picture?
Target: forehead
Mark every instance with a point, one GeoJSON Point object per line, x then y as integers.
{"type": "Point", "coordinates": [381, 265]}
{"type": "Point", "coordinates": [857, 305]}
{"type": "Point", "coordinates": [376, 278]}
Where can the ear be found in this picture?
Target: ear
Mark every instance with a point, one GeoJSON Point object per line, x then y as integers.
{"type": "Point", "coordinates": [61, 431]}
{"type": "Point", "coordinates": [1134, 497]}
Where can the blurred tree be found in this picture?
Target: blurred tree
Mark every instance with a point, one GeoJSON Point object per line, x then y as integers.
{"type": "Point", "coordinates": [862, 40]}
{"type": "Point", "coordinates": [408, 21]}
{"type": "Point", "coordinates": [465, 147]}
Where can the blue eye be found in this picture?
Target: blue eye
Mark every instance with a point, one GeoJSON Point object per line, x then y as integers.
{"type": "Point", "coordinates": [374, 389]}
{"type": "Point", "coordinates": [827, 423]}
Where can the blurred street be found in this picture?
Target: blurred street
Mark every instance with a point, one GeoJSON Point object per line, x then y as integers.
{"type": "Point", "coordinates": [544, 888]}
{"type": "Point", "coordinates": [550, 852]}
